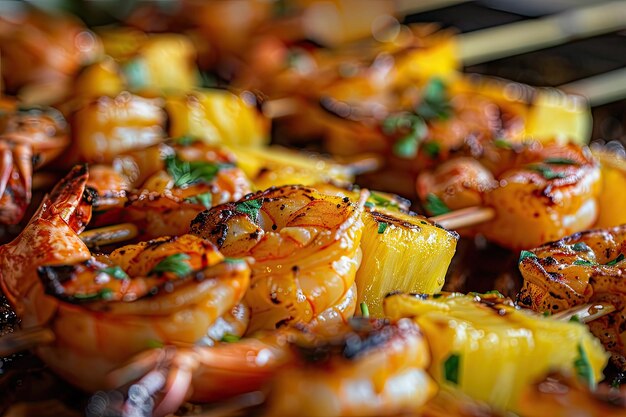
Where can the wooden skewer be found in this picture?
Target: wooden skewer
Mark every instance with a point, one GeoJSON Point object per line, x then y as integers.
{"type": "Point", "coordinates": [586, 312]}
{"type": "Point", "coordinates": [469, 216]}
{"type": "Point", "coordinates": [600, 89]}
{"type": "Point", "coordinates": [109, 234]}
{"type": "Point", "coordinates": [25, 339]}
{"type": "Point", "coordinates": [514, 38]}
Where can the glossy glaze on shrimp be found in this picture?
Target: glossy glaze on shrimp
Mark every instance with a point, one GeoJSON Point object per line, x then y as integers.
{"type": "Point", "coordinates": [540, 192]}
{"type": "Point", "coordinates": [306, 250]}
{"type": "Point", "coordinates": [584, 267]}
{"type": "Point", "coordinates": [101, 309]}
{"type": "Point", "coordinates": [163, 187]}
{"type": "Point", "coordinates": [377, 368]}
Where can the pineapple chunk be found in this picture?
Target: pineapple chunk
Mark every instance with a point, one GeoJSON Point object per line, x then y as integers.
{"type": "Point", "coordinates": [492, 351]}
{"type": "Point", "coordinates": [401, 252]}
{"type": "Point", "coordinates": [276, 166]}
{"type": "Point", "coordinates": [612, 204]}
{"type": "Point", "coordinates": [217, 116]}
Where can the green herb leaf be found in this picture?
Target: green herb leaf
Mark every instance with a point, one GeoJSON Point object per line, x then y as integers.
{"type": "Point", "coordinates": [581, 247]}
{"type": "Point", "coordinates": [584, 262]}
{"type": "Point", "coordinates": [185, 140]}
{"type": "Point", "coordinates": [451, 368]}
{"type": "Point", "coordinates": [365, 311]}
{"type": "Point", "coordinates": [502, 143]}
{"type": "Point", "coordinates": [186, 173]}
{"type": "Point", "coordinates": [435, 103]}
{"type": "Point", "coordinates": [526, 254]}
{"type": "Point", "coordinates": [230, 338]}
{"type": "Point", "coordinates": [204, 199]}
{"type": "Point", "coordinates": [617, 381]}
{"type": "Point", "coordinates": [382, 226]}
{"type": "Point", "coordinates": [114, 271]}
{"type": "Point", "coordinates": [547, 172]}
{"type": "Point", "coordinates": [560, 161]}
{"type": "Point", "coordinates": [435, 206]}
{"type": "Point", "coordinates": [103, 294]}
{"type": "Point", "coordinates": [369, 204]}
{"type": "Point", "coordinates": [406, 147]}
{"type": "Point", "coordinates": [495, 292]}
{"type": "Point", "coordinates": [176, 264]}
{"type": "Point", "coordinates": [233, 260]}
{"type": "Point", "coordinates": [154, 344]}
{"type": "Point", "coordinates": [574, 319]}
{"type": "Point", "coordinates": [381, 201]}
{"type": "Point", "coordinates": [619, 258]}
{"type": "Point", "coordinates": [250, 207]}
{"type": "Point", "coordinates": [547, 313]}
{"type": "Point", "coordinates": [583, 367]}
{"type": "Point", "coordinates": [432, 149]}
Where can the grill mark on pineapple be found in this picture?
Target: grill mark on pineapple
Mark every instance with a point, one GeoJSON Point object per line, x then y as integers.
{"type": "Point", "coordinates": [386, 218]}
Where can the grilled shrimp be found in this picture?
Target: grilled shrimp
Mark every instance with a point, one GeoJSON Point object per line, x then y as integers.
{"type": "Point", "coordinates": [101, 310]}
{"type": "Point", "coordinates": [584, 267]}
{"type": "Point", "coordinates": [162, 188]}
{"type": "Point", "coordinates": [540, 192]}
{"type": "Point", "coordinates": [376, 369]}
{"type": "Point", "coordinates": [31, 137]}
{"type": "Point", "coordinates": [306, 250]}
{"type": "Point", "coordinates": [366, 367]}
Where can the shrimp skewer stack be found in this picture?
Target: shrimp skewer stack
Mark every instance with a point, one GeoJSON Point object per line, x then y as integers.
{"type": "Point", "coordinates": [581, 268]}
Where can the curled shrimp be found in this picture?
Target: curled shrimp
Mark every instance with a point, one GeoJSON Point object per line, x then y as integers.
{"type": "Point", "coordinates": [539, 192]}
{"type": "Point", "coordinates": [584, 267]}
{"type": "Point", "coordinates": [306, 250]}
{"type": "Point", "coordinates": [162, 188]}
{"type": "Point", "coordinates": [378, 368]}
{"type": "Point", "coordinates": [31, 137]}
{"type": "Point", "coordinates": [103, 309]}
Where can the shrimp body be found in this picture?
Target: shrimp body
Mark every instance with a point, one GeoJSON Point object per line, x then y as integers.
{"type": "Point", "coordinates": [104, 309]}
{"type": "Point", "coordinates": [305, 246]}
{"type": "Point", "coordinates": [30, 138]}
{"type": "Point", "coordinates": [581, 268]}
{"type": "Point", "coordinates": [377, 369]}
{"type": "Point", "coordinates": [163, 187]}
{"type": "Point", "coordinates": [540, 192]}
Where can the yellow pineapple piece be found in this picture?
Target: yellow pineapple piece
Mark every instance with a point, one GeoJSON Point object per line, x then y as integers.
{"type": "Point", "coordinates": [217, 116]}
{"type": "Point", "coordinates": [401, 252]}
{"type": "Point", "coordinates": [276, 166]}
{"type": "Point", "coordinates": [612, 204]}
{"type": "Point", "coordinates": [492, 351]}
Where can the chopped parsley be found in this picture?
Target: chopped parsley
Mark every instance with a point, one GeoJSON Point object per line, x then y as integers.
{"type": "Point", "coordinates": [435, 206]}
{"type": "Point", "coordinates": [250, 207]}
{"type": "Point", "coordinates": [103, 294]}
{"type": "Point", "coordinates": [547, 172]}
{"type": "Point", "coordinates": [526, 254]}
{"type": "Point", "coordinates": [619, 258]}
{"type": "Point", "coordinates": [381, 201]}
{"type": "Point", "coordinates": [451, 368]}
{"type": "Point", "coordinates": [154, 344]}
{"type": "Point", "coordinates": [230, 338]}
{"type": "Point", "coordinates": [176, 264]}
{"type": "Point", "coordinates": [584, 262]}
{"type": "Point", "coordinates": [583, 367]}
{"type": "Point", "coordinates": [365, 311]}
{"type": "Point", "coordinates": [502, 143]}
{"type": "Point", "coordinates": [205, 199]}
{"type": "Point", "coordinates": [435, 103]}
{"type": "Point", "coordinates": [495, 292]}
{"type": "Point", "coordinates": [580, 247]}
{"type": "Point", "coordinates": [407, 146]}
{"type": "Point", "coordinates": [114, 271]}
{"type": "Point", "coordinates": [382, 226]}
{"type": "Point", "coordinates": [547, 313]}
{"type": "Point", "coordinates": [574, 319]}
{"type": "Point", "coordinates": [432, 149]}
{"type": "Point", "coordinates": [185, 140]}
{"type": "Point", "coordinates": [233, 260]}
{"type": "Point", "coordinates": [560, 161]}
{"type": "Point", "coordinates": [186, 173]}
